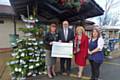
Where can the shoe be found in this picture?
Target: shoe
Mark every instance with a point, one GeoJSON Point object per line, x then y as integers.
{"type": "Point", "coordinates": [68, 74]}
{"type": "Point", "coordinates": [53, 73]}
{"type": "Point", "coordinates": [79, 75]}
{"type": "Point", "coordinates": [50, 76]}
{"type": "Point", "coordinates": [79, 78]}
{"type": "Point", "coordinates": [64, 74]}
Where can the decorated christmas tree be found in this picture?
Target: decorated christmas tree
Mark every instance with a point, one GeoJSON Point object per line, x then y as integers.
{"type": "Point", "coordinates": [28, 57]}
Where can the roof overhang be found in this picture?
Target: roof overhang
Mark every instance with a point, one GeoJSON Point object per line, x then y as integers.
{"type": "Point", "coordinates": [6, 10]}
{"type": "Point", "coordinates": [48, 11]}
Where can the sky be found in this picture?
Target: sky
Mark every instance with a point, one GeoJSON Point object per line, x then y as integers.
{"type": "Point", "coordinates": [114, 10]}
{"type": "Point", "coordinates": [5, 2]}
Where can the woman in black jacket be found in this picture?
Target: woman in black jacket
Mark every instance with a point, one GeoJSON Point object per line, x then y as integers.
{"type": "Point", "coordinates": [50, 37]}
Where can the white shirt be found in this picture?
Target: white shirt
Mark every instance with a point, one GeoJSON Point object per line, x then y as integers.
{"type": "Point", "coordinates": [100, 43]}
{"type": "Point", "coordinates": [65, 32]}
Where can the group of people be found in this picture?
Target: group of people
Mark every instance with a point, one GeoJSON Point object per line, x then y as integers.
{"type": "Point", "coordinates": [84, 48]}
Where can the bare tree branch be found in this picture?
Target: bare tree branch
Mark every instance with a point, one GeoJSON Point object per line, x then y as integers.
{"type": "Point", "coordinates": [106, 18]}
{"type": "Point", "coordinates": [115, 4]}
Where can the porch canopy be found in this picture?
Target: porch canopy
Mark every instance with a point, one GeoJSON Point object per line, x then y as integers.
{"type": "Point", "coordinates": [6, 11]}
{"type": "Point", "coordinates": [49, 10]}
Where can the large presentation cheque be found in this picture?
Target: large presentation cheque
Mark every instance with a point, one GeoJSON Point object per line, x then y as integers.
{"type": "Point", "coordinates": [64, 50]}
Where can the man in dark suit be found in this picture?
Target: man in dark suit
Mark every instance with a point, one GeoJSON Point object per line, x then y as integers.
{"type": "Point", "coordinates": [65, 35]}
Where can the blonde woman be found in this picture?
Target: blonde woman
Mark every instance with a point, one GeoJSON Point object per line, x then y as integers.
{"type": "Point", "coordinates": [80, 49]}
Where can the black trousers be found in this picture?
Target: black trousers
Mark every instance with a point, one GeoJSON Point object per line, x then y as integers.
{"type": "Point", "coordinates": [95, 69]}
{"type": "Point", "coordinates": [65, 65]}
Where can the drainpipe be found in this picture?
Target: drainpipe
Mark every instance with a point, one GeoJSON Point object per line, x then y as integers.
{"type": "Point", "coordinates": [14, 21]}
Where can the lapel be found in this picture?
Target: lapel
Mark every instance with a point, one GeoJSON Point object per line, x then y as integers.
{"type": "Point", "coordinates": [63, 34]}
{"type": "Point", "coordinates": [68, 34]}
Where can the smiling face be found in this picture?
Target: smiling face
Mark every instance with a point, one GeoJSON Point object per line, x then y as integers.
{"type": "Point", "coordinates": [53, 28]}
{"type": "Point", "coordinates": [80, 30]}
{"type": "Point", "coordinates": [65, 24]}
{"type": "Point", "coordinates": [95, 33]}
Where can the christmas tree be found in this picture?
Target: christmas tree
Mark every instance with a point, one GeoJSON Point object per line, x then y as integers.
{"type": "Point", "coordinates": [28, 57]}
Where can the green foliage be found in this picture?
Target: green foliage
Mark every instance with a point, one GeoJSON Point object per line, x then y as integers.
{"type": "Point", "coordinates": [69, 3]}
{"type": "Point", "coordinates": [36, 31]}
{"type": "Point", "coordinates": [32, 30]}
{"type": "Point", "coordinates": [28, 57]}
{"type": "Point", "coordinates": [28, 54]}
{"type": "Point", "coordinates": [106, 52]}
{"type": "Point", "coordinates": [72, 5]}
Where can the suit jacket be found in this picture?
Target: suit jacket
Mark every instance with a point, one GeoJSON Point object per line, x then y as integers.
{"type": "Point", "coordinates": [70, 36]}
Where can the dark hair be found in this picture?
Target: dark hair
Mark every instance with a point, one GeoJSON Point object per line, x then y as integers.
{"type": "Point", "coordinates": [52, 25]}
{"type": "Point", "coordinates": [98, 31]}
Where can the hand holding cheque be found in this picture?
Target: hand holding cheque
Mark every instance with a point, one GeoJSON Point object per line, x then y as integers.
{"type": "Point", "coordinates": [64, 50]}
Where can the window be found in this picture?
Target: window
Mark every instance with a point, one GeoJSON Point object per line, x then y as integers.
{"type": "Point", "coordinates": [1, 22]}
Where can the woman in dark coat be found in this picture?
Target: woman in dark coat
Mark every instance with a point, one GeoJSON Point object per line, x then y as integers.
{"type": "Point", "coordinates": [50, 37]}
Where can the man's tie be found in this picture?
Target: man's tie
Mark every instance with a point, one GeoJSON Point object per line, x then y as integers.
{"type": "Point", "coordinates": [65, 34]}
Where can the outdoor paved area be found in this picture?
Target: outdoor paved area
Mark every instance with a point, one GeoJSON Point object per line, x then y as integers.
{"type": "Point", "coordinates": [110, 70]}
